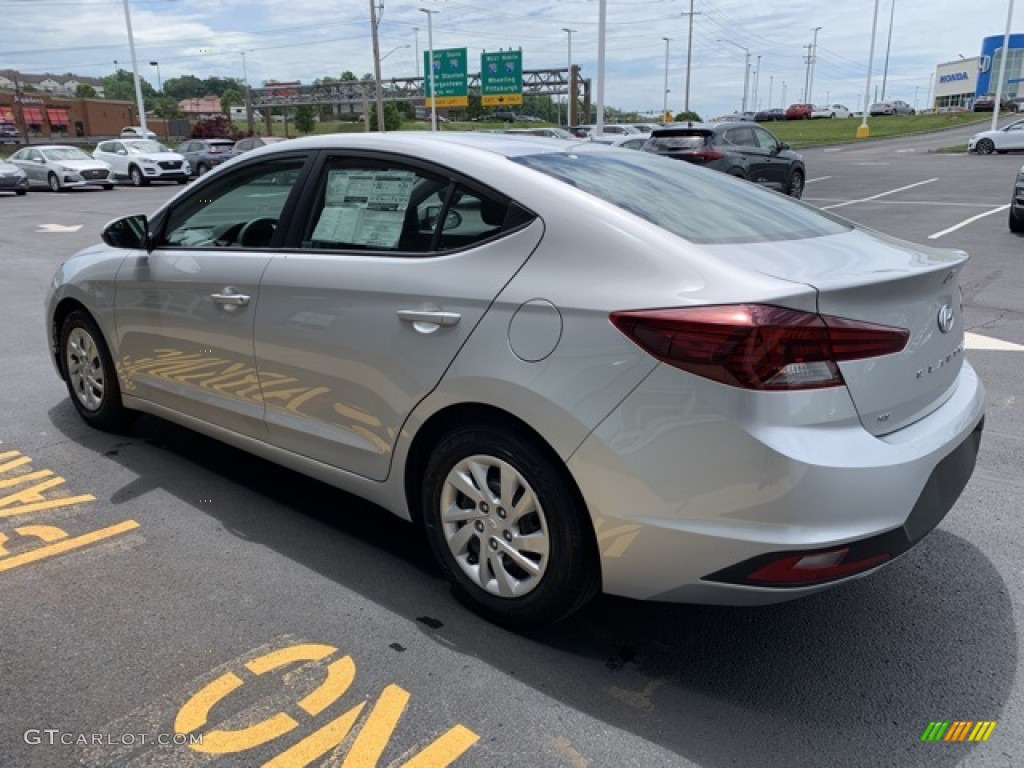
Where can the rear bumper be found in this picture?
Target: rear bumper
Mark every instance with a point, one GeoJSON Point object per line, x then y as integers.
{"type": "Point", "coordinates": [690, 492]}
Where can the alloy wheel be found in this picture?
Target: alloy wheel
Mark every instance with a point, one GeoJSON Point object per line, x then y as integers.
{"type": "Point", "coordinates": [85, 369]}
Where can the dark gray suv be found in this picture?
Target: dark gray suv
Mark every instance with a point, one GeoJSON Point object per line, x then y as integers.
{"type": "Point", "coordinates": [204, 154]}
{"type": "Point", "coordinates": [744, 150]}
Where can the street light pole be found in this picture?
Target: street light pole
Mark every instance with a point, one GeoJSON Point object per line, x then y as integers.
{"type": "Point", "coordinates": [814, 61]}
{"type": "Point", "coordinates": [888, 45]}
{"type": "Point", "coordinates": [862, 130]}
{"type": "Point", "coordinates": [689, 50]}
{"type": "Point", "coordinates": [135, 69]}
{"type": "Point", "coordinates": [1002, 67]}
{"type": "Point", "coordinates": [664, 105]}
{"type": "Point", "coordinates": [757, 81]}
{"type": "Point", "coordinates": [416, 31]}
{"type": "Point", "coordinates": [376, 66]}
{"type": "Point", "coordinates": [602, 25]}
{"type": "Point", "coordinates": [746, 70]}
{"type": "Point", "coordinates": [159, 82]}
{"type": "Point", "coordinates": [248, 97]}
{"type": "Point", "coordinates": [570, 106]}
{"type": "Point", "coordinates": [430, 66]}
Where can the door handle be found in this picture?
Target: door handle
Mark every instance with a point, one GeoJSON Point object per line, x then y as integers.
{"type": "Point", "coordinates": [230, 299]}
{"type": "Point", "coordinates": [429, 317]}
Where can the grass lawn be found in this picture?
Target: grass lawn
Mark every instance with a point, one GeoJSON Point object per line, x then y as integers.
{"type": "Point", "coordinates": [806, 133]}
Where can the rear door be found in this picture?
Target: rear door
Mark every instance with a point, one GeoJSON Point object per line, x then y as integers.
{"type": "Point", "coordinates": [742, 141]}
{"type": "Point", "coordinates": [389, 269]}
{"type": "Point", "coordinates": [776, 166]}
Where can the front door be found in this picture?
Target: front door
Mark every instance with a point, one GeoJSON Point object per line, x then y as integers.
{"type": "Point", "coordinates": [184, 313]}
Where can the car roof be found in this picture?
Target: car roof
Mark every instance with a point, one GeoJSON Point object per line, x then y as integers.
{"type": "Point", "coordinates": [51, 146]}
{"type": "Point", "coordinates": [509, 145]}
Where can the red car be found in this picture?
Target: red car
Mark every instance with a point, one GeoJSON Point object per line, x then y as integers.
{"type": "Point", "coordinates": [799, 111]}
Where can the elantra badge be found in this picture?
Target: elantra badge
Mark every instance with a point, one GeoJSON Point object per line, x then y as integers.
{"type": "Point", "coordinates": [946, 318]}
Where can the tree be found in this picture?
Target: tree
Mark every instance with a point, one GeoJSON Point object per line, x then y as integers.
{"type": "Point", "coordinates": [220, 85]}
{"type": "Point", "coordinates": [85, 91]}
{"type": "Point", "coordinates": [121, 85]}
{"type": "Point", "coordinates": [688, 117]}
{"type": "Point", "coordinates": [392, 117]}
{"type": "Point", "coordinates": [185, 87]}
{"type": "Point", "coordinates": [166, 107]}
{"type": "Point", "coordinates": [305, 119]}
{"type": "Point", "coordinates": [231, 98]}
{"type": "Point", "coordinates": [218, 127]}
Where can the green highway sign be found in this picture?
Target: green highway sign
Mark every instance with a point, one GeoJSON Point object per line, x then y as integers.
{"type": "Point", "coordinates": [501, 78]}
{"type": "Point", "coordinates": [450, 78]}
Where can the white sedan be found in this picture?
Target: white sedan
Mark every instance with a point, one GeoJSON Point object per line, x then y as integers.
{"type": "Point", "coordinates": [831, 110]}
{"type": "Point", "coordinates": [1006, 139]}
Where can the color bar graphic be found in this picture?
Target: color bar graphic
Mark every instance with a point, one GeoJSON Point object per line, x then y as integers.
{"type": "Point", "coordinates": [958, 730]}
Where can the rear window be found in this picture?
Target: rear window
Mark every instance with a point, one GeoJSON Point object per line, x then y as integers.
{"type": "Point", "coordinates": [694, 203]}
{"type": "Point", "coordinates": [676, 142]}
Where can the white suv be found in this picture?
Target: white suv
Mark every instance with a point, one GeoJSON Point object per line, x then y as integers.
{"type": "Point", "coordinates": [136, 132]}
{"type": "Point", "coordinates": [142, 161]}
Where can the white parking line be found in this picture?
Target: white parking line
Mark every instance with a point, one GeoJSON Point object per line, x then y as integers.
{"type": "Point", "coordinates": [882, 194]}
{"type": "Point", "coordinates": [965, 222]}
{"type": "Point", "coordinates": [977, 341]}
{"type": "Point", "coordinates": [820, 178]}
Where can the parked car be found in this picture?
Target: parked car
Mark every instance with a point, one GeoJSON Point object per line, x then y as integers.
{"type": "Point", "coordinates": [1009, 138]}
{"type": "Point", "coordinates": [619, 130]}
{"type": "Point", "coordinates": [503, 115]}
{"type": "Point", "coordinates": [551, 133]}
{"type": "Point", "coordinates": [831, 111]}
{"type": "Point", "coordinates": [9, 134]}
{"type": "Point", "coordinates": [625, 141]}
{"type": "Point", "coordinates": [204, 154]}
{"type": "Point", "coordinates": [986, 102]}
{"type": "Point", "coordinates": [12, 178]}
{"type": "Point", "coordinates": [894, 107]}
{"type": "Point", "coordinates": [528, 119]}
{"type": "Point", "coordinates": [1017, 204]}
{"type": "Point", "coordinates": [255, 142]}
{"type": "Point", "coordinates": [745, 151]}
{"type": "Point", "coordinates": [59, 167]}
{"type": "Point", "coordinates": [646, 127]}
{"type": "Point", "coordinates": [136, 132]}
{"type": "Point", "coordinates": [142, 161]}
{"type": "Point", "coordinates": [799, 111]}
{"type": "Point", "coordinates": [770, 115]}
{"type": "Point", "coordinates": [752, 429]}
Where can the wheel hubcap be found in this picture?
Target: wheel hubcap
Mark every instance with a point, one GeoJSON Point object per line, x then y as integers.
{"type": "Point", "coordinates": [505, 554]}
{"type": "Point", "coordinates": [85, 369]}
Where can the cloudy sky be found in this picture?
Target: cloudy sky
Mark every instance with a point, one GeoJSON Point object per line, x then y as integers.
{"type": "Point", "coordinates": [305, 39]}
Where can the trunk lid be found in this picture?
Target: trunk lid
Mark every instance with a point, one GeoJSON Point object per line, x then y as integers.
{"type": "Point", "coordinates": [878, 279]}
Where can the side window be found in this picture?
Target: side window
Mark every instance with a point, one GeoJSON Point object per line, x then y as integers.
{"type": "Point", "coordinates": [385, 206]}
{"type": "Point", "coordinates": [188, 147]}
{"type": "Point", "coordinates": [35, 154]}
{"type": "Point", "coordinates": [764, 139]}
{"type": "Point", "coordinates": [240, 210]}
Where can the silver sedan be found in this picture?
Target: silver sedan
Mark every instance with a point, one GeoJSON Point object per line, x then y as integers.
{"type": "Point", "coordinates": [580, 368]}
{"type": "Point", "coordinates": [58, 167]}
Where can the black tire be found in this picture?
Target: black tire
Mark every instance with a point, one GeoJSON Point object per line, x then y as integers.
{"type": "Point", "coordinates": [101, 407]}
{"type": "Point", "coordinates": [985, 147]}
{"type": "Point", "coordinates": [54, 183]}
{"type": "Point", "coordinates": [570, 574]}
{"type": "Point", "coordinates": [136, 177]}
{"type": "Point", "coordinates": [795, 188]}
{"type": "Point", "coordinates": [183, 181]}
{"type": "Point", "coordinates": [1016, 225]}
{"type": "Point", "coordinates": [201, 169]}
{"type": "Point", "coordinates": [21, 192]}
{"type": "Point", "coordinates": [108, 187]}
{"type": "Point", "coordinates": [737, 173]}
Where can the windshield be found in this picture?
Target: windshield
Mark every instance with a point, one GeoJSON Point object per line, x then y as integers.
{"type": "Point", "coordinates": [144, 147]}
{"type": "Point", "coordinates": [65, 153]}
{"type": "Point", "coordinates": [694, 203]}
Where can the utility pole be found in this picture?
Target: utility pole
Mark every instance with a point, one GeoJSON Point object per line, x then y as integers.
{"type": "Point", "coordinates": [376, 66]}
{"type": "Point", "coordinates": [757, 81]}
{"type": "Point", "coordinates": [602, 27]}
{"type": "Point", "coordinates": [416, 31]}
{"type": "Point", "coordinates": [689, 50]}
{"type": "Point", "coordinates": [570, 102]}
{"type": "Point", "coordinates": [783, 94]}
{"type": "Point", "coordinates": [931, 104]}
{"type": "Point", "coordinates": [807, 75]}
{"type": "Point", "coordinates": [248, 98]}
{"type": "Point", "coordinates": [888, 45]}
{"type": "Point", "coordinates": [664, 103]}
{"type": "Point", "coordinates": [771, 86]}
{"type": "Point", "coordinates": [814, 60]}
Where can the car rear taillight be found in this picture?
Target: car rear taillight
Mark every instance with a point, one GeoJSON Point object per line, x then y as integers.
{"type": "Point", "coordinates": [705, 154]}
{"type": "Point", "coordinates": [814, 568]}
{"type": "Point", "coordinates": [758, 346]}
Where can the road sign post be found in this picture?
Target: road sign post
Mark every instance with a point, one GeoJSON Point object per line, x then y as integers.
{"type": "Point", "coordinates": [450, 78]}
{"type": "Point", "coordinates": [501, 78]}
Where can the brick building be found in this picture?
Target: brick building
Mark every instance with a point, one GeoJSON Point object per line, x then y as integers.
{"type": "Point", "coordinates": [47, 116]}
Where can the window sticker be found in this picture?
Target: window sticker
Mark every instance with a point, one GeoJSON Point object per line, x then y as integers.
{"type": "Point", "coordinates": [365, 207]}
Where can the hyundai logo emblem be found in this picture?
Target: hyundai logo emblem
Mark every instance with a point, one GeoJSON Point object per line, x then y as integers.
{"type": "Point", "coordinates": [946, 318]}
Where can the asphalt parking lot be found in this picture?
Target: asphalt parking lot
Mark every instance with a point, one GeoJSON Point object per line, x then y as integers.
{"type": "Point", "coordinates": [160, 583]}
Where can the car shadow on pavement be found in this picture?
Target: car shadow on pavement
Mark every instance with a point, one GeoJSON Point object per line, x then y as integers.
{"type": "Point", "coordinates": [850, 677]}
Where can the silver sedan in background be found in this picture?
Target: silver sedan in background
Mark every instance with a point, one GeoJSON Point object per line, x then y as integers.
{"type": "Point", "coordinates": [59, 167]}
{"type": "Point", "coordinates": [579, 368]}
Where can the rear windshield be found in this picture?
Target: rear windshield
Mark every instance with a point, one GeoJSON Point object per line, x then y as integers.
{"type": "Point", "coordinates": [678, 141]}
{"type": "Point", "coordinates": [697, 204]}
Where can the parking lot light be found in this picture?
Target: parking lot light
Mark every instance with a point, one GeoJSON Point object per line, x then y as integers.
{"type": "Point", "coordinates": [862, 130]}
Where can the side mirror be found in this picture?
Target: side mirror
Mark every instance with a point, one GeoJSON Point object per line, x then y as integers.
{"type": "Point", "coordinates": [130, 232]}
{"type": "Point", "coordinates": [430, 215]}
{"type": "Point", "coordinates": [783, 146]}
